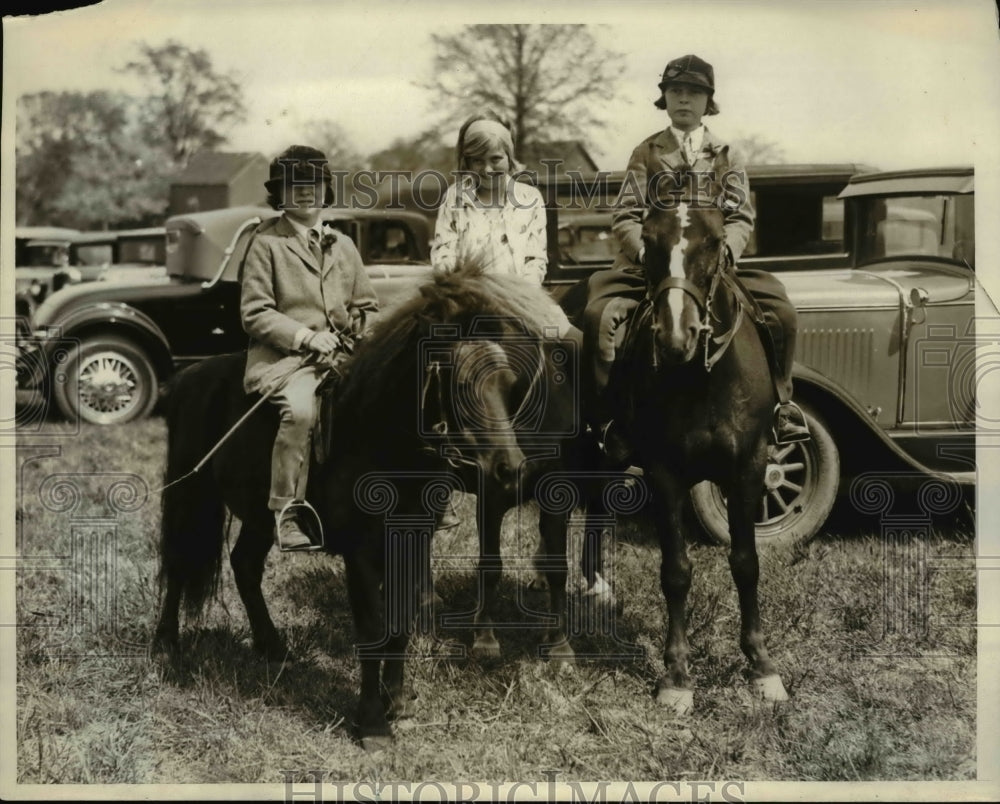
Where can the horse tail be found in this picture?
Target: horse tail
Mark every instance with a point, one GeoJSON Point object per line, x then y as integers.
{"type": "Point", "coordinates": [192, 529]}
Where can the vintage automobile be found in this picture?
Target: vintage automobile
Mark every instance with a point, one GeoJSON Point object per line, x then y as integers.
{"type": "Point", "coordinates": [119, 340]}
{"type": "Point", "coordinates": [886, 356]}
{"type": "Point", "coordinates": [120, 254]}
{"type": "Point", "coordinates": [41, 265]}
{"type": "Point", "coordinates": [881, 267]}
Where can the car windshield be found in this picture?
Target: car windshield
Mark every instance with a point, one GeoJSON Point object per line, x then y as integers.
{"type": "Point", "coordinates": [940, 226]}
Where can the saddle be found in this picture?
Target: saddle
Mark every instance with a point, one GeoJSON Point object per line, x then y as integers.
{"type": "Point", "coordinates": [326, 401]}
{"type": "Point", "coordinates": [624, 319]}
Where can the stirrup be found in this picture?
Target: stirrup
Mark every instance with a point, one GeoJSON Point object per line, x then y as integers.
{"type": "Point", "coordinates": [796, 432]}
{"type": "Point", "coordinates": [310, 525]}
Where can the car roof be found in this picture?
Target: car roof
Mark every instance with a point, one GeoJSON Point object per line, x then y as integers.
{"type": "Point", "coordinates": [46, 235]}
{"type": "Point", "coordinates": [119, 234]}
{"type": "Point", "coordinates": [329, 213]}
{"type": "Point", "coordinates": [799, 171]}
{"type": "Point", "coordinates": [917, 180]}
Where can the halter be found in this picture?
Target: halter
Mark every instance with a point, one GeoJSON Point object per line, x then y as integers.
{"type": "Point", "coordinates": [456, 458]}
{"type": "Point", "coordinates": [720, 276]}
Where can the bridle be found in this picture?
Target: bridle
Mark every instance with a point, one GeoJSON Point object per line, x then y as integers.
{"type": "Point", "coordinates": [452, 452]}
{"type": "Point", "coordinates": [714, 346]}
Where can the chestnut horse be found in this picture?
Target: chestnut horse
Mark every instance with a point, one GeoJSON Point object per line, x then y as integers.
{"type": "Point", "coordinates": [699, 404]}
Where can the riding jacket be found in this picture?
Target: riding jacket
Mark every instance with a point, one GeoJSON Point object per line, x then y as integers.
{"type": "Point", "coordinates": [658, 169]}
{"type": "Point", "coordinates": [284, 288]}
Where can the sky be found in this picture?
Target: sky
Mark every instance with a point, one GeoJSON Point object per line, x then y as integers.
{"type": "Point", "coordinates": [883, 83]}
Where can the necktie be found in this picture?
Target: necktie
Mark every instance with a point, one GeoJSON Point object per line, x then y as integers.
{"type": "Point", "coordinates": [689, 154]}
{"type": "Point", "coordinates": [315, 247]}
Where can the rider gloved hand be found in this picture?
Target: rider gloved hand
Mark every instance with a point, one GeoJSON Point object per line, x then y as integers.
{"type": "Point", "coordinates": [323, 343]}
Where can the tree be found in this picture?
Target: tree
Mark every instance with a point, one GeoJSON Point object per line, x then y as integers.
{"type": "Point", "coordinates": [82, 161]}
{"type": "Point", "coordinates": [191, 106]}
{"type": "Point", "coordinates": [330, 137]}
{"type": "Point", "coordinates": [550, 80]}
{"type": "Point", "coordinates": [753, 149]}
{"type": "Point", "coordinates": [425, 151]}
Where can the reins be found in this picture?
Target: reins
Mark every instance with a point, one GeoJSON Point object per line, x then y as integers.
{"type": "Point", "coordinates": [720, 276]}
{"type": "Point", "coordinates": [304, 360]}
{"type": "Point", "coordinates": [433, 372]}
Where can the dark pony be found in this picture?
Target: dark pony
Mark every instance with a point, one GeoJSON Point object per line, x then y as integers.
{"type": "Point", "coordinates": [700, 399]}
{"type": "Point", "coordinates": [552, 435]}
{"type": "Point", "coordinates": [419, 399]}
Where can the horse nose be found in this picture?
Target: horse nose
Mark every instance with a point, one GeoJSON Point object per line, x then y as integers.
{"type": "Point", "coordinates": [505, 473]}
{"type": "Point", "coordinates": [677, 345]}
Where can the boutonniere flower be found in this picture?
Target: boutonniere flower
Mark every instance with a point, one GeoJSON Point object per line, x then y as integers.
{"type": "Point", "coordinates": [327, 241]}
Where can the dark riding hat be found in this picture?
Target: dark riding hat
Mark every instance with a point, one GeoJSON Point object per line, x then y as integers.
{"type": "Point", "coordinates": [299, 164]}
{"type": "Point", "coordinates": [693, 72]}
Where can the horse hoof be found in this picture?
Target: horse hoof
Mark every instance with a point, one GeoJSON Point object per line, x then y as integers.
{"type": "Point", "coordinates": [562, 654]}
{"type": "Point", "coordinates": [486, 649]}
{"type": "Point", "coordinates": [680, 700]}
{"type": "Point", "coordinates": [400, 709]}
{"type": "Point", "coordinates": [770, 688]}
{"type": "Point", "coordinates": [600, 588]}
{"type": "Point", "coordinates": [376, 742]}
{"type": "Point", "coordinates": [164, 648]}
{"type": "Point", "coordinates": [273, 651]}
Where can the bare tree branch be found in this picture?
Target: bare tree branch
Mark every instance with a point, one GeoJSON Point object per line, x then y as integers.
{"type": "Point", "coordinates": [545, 78]}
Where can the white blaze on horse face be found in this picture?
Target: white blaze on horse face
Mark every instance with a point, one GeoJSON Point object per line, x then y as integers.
{"type": "Point", "coordinates": [675, 296]}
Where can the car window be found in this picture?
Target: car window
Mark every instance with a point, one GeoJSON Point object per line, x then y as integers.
{"type": "Point", "coordinates": [918, 225]}
{"type": "Point", "coordinates": [141, 251]}
{"type": "Point", "coordinates": [93, 254]}
{"type": "Point", "coordinates": [796, 223]}
{"type": "Point", "coordinates": [390, 242]}
{"type": "Point", "coordinates": [586, 244]}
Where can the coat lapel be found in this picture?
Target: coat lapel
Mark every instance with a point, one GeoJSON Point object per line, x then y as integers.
{"type": "Point", "coordinates": [670, 153]}
{"type": "Point", "coordinates": [710, 150]}
{"type": "Point", "coordinates": [295, 244]}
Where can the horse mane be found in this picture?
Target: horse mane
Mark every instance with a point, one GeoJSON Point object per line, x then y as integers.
{"type": "Point", "coordinates": [468, 299]}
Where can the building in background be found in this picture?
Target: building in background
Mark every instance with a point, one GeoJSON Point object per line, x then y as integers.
{"type": "Point", "coordinates": [216, 180]}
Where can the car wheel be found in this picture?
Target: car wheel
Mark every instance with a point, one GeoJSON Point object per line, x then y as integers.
{"type": "Point", "coordinates": [110, 381]}
{"type": "Point", "coordinates": [800, 488]}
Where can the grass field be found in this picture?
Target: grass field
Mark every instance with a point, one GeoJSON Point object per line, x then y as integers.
{"type": "Point", "coordinates": [874, 638]}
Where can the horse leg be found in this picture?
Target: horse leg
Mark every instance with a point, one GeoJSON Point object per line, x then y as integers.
{"type": "Point", "coordinates": [489, 518]}
{"type": "Point", "coordinates": [674, 687]}
{"type": "Point", "coordinates": [552, 528]}
{"type": "Point", "coordinates": [742, 502]}
{"type": "Point", "coordinates": [363, 581]}
{"type": "Point", "coordinates": [247, 560]}
{"type": "Point", "coordinates": [592, 557]}
{"type": "Point", "coordinates": [166, 641]}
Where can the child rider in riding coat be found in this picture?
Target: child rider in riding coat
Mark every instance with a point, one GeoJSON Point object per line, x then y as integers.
{"type": "Point", "coordinates": [698, 169]}
{"type": "Point", "coordinates": [303, 290]}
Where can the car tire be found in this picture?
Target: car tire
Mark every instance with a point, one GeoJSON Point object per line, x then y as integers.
{"type": "Point", "coordinates": [800, 490]}
{"type": "Point", "coordinates": [111, 380]}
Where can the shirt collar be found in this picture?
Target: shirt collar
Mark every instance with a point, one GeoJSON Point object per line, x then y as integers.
{"type": "Point", "coordinates": [303, 231]}
{"type": "Point", "coordinates": [697, 137]}
{"type": "Point", "coordinates": [468, 182]}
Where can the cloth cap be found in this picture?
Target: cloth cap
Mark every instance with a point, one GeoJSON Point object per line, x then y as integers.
{"type": "Point", "coordinates": [693, 72]}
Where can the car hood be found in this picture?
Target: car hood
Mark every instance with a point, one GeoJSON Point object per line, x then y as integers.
{"type": "Point", "coordinates": [877, 286]}
{"type": "Point", "coordinates": [111, 291]}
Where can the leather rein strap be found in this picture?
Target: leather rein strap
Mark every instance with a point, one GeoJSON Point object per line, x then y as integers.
{"type": "Point", "coordinates": [715, 345]}
{"type": "Point", "coordinates": [433, 373]}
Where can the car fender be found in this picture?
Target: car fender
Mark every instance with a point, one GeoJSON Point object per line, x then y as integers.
{"type": "Point", "coordinates": [835, 402]}
{"type": "Point", "coordinates": [120, 317]}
